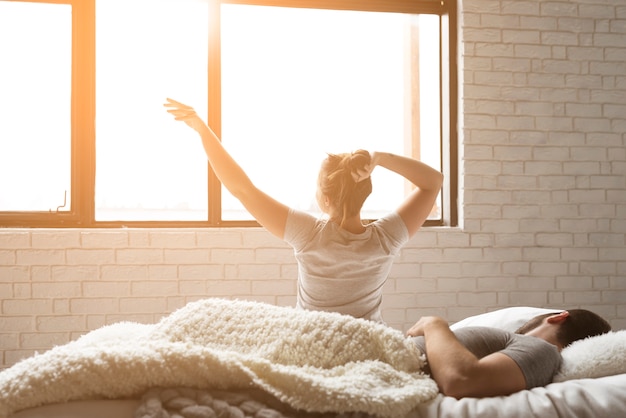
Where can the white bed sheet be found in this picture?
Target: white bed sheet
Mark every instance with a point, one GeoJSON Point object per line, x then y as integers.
{"type": "Point", "coordinates": [584, 398]}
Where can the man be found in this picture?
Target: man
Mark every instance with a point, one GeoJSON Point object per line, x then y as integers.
{"type": "Point", "coordinates": [483, 361]}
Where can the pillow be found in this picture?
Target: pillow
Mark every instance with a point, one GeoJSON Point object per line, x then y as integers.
{"type": "Point", "coordinates": [509, 319]}
{"type": "Point", "coordinates": [599, 356]}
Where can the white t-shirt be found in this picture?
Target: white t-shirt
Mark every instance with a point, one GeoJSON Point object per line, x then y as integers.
{"type": "Point", "coordinates": [340, 271]}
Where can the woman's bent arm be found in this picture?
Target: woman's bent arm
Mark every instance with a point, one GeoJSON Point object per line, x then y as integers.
{"type": "Point", "coordinates": [418, 204]}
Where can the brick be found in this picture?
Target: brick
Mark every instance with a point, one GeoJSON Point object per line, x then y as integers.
{"type": "Point", "coordinates": [482, 35]}
{"type": "Point", "coordinates": [19, 307]}
{"type": "Point", "coordinates": [228, 287]}
{"type": "Point", "coordinates": [573, 283]}
{"type": "Point", "coordinates": [104, 239]}
{"type": "Point", "coordinates": [137, 256]}
{"type": "Point", "coordinates": [430, 270]}
{"type": "Point", "coordinates": [231, 238]}
{"type": "Point", "coordinates": [123, 272]}
{"type": "Point", "coordinates": [537, 299]}
{"type": "Point", "coordinates": [522, 36]}
{"type": "Point", "coordinates": [256, 271]}
{"type": "Point", "coordinates": [55, 239]}
{"type": "Point", "coordinates": [195, 287]}
{"type": "Point", "coordinates": [14, 273]}
{"type": "Point", "coordinates": [148, 288]}
{"type": "Point", "coordinates": [60, 323]}
{"type": "Point", "coordinates": [96, 257]}
{"type": "Point", "coordinates": [456, 285]}
{"type": "Point", "coordinates": [173, 239]}
{"type": "Point", "coordinates": [14, 239]}
{"type": "Point", "coordinates": [273, 287]}
{"type": "Point", "coordinates": [221, 255]}
{"type": "Point", "coordinates": [17, 323]}
{"type": "Point", "coordinates": [14, 356]}
{"type": "Point", "coordinates": [102, 289]}
{"type": "Point", "coordinates": [142, 305]}
{"type": "Point", "coordinates": [42, 340]}
{"type": "Point", "coordinates": [417, 284]}
{"type": "Point", "coordinates": [433, 300]}
{"type": "Point", "coordinates": [596, 11]}
{"type": "Point", "coordinates": [187, 256]}
{"type": "Point", "coordinates": [39, 257]}
{"type": "Point", "coordinates": [476, 298]}
{"type": "Point", "coordinates": [201, 271]}
{"type": "Point", "coordinates": [56, 289]}
{"type": "Point", "coordinates": [274, 255]}
{"type": "Point", "coordinates": [558, 8]}
{"type": "Point", "coordinates": [578, 297]}
{"type": "Point", "coordinates": [68, 273]}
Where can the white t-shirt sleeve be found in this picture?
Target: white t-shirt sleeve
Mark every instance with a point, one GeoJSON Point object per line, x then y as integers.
{"type": "Point", "coordinates": [299, 228]}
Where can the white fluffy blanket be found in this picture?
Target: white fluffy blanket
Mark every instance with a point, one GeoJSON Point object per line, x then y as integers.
{"type": "Point", "coordinates": [312, 361]}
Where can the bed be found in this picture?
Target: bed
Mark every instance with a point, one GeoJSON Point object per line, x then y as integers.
{"type": "Point", "coordinates": [225, 358]}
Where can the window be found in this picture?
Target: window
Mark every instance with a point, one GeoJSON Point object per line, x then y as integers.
{"type": "Point", "coordinates": [281, 82]}
{"type": "Point", "coordinates": [35, 104]}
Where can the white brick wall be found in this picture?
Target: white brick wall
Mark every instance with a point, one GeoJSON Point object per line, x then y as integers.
{"type": "Point", "coordinates": [543, 205]}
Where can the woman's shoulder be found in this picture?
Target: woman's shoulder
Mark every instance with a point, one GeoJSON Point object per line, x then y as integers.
{"type": "Point", "coordinates": [300, 226]}
{"type": "Point", "coordinates": [391, 221]}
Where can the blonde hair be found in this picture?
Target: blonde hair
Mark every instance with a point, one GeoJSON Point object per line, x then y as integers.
{"type": "Point", "coordinates": [337, 183]}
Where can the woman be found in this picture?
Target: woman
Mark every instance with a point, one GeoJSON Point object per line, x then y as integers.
{"type": "Point", "coordinates": [342, 263]}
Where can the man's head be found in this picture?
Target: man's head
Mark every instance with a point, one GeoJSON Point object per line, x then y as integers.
{"type": "Point", "coordinates": [563, 328]}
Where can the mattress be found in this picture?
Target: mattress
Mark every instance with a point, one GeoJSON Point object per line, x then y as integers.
{"type": "Point", "coordinates": [603, 397]}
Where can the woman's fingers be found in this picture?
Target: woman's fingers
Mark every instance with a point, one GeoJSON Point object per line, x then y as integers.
{"type": "Point", "coordinates": [361, 174]}
{"type": "Point", "coordinates": [179, 110]}
{"type": "Point", "coordinates": [172, 102]}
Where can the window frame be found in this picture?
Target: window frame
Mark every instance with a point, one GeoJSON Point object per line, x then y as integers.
{"type": "Point", "coordinates": [83, 112]}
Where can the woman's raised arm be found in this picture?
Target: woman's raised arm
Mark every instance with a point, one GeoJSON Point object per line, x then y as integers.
{"type": "Point", "coordinates": [270, 213]}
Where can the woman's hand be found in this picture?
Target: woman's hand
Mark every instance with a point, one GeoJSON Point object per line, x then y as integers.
{"type": "Point", "coordinates": [365, 172]}
{"type": "Point", "coordinates": [186, 114]}
{"type": "Point", "coordinates": [362, 174]}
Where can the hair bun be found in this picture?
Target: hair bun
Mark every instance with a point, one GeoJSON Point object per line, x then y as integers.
{"type": "Point", "coordinates": [359, 159]}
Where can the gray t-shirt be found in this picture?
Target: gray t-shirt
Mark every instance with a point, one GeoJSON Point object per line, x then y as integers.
{"type": "Point", "coordinates": [340, 271]}
{"type": "Point", "coordinates": [538, 359]}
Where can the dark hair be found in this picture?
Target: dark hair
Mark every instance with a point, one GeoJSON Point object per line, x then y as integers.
{"type": "Point", "coordinates": [581, 324]}
{"type": "Point", "coordinates": [336, 181]}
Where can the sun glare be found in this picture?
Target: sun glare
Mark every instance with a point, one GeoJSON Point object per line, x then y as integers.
{"type": "Point", "coordinates": [296, 84]}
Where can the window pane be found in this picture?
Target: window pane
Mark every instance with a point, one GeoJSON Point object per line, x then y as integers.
{"type": "Point", "coordinates": [35, 106]}
{"type": "Point", "coordinates": [148, 166]}
{"type": "Point", "coordinates": [297, 83]}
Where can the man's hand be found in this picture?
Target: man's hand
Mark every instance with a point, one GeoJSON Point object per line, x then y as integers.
{"type": "Point", "coordinates": [417, 330]}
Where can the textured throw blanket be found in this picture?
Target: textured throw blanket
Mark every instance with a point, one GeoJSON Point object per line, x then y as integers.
{"type": "Point", "coordinates": [311, 361]}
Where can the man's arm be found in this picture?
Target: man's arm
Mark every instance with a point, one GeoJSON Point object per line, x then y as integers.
{"type": "Point", "coordinates": [458, 372]}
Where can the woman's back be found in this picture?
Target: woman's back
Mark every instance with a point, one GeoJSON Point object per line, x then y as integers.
{"type": "Point", "coordinates": [341, 271]}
